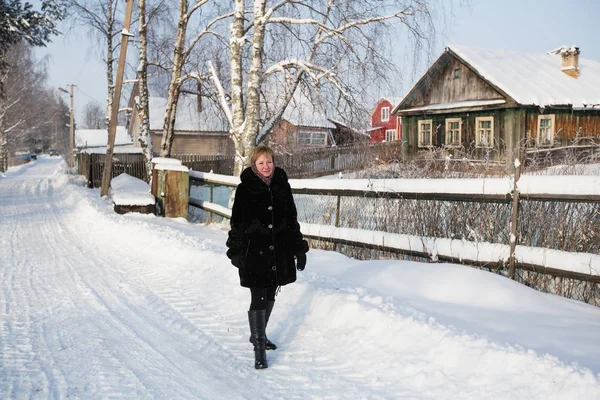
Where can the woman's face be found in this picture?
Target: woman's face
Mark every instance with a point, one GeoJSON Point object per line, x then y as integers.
{"type": "Point", "coordinates": [264, 165]}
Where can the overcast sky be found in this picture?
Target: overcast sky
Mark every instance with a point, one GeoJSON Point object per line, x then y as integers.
{"type": "Point", "coordinates": [534, 26]}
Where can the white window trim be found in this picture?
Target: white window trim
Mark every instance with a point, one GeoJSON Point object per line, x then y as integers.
{"type": "Point", "coordinates": [393, 133]}
{"type": "Point", "coordinates": [311, 133]}
{"type": "Point", "coordinates": [385, 118]}
{"type": "Point", "coordinates": [448, 122]}
{"type": "Point", "coordinates": [477, 137]}
{"type": "Point", "coordinates": [552, 118]}
{"type": "Point", "coordinates": [422, 122]}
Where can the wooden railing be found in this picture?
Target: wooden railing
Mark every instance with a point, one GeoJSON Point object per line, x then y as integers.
{"type": "Point", "coordinates": [416, 246]}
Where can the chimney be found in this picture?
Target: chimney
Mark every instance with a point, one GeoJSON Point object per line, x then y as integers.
{"type": "Point", "coordinates": [570, 60]}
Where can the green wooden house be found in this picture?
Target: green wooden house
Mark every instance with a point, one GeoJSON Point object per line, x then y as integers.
{"type": "Point", "coordinates": [483, 104]}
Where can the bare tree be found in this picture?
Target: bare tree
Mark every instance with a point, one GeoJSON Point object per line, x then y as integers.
{"type": "Point", "coordinates": [181, 54]}
{"type": "Point", "coordinates": [21, 23]}
{"type": "Point", "coordinates": [100, 17]}
{"type": "Point", "coordinates": [28, 109]}
{"type": "Point", "coordinates": [331, 47]}
{"type": "Point", "coordinates": [94, 115]}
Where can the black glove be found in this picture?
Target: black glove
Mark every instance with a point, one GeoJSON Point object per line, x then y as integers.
{"type": "Point", "coordinates": [300, 261]}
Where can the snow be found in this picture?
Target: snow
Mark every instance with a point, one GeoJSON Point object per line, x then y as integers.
{"type": "Point", "coordinates": [535, 79]}
{"type": "Point", "coordinates": [127, 190]}
{"type": "Point", "coordinates": [456, 104]}
{"type": "Point", "coordinates": [101, 305]}
{"type": "Point", "coordinates": [99, 137]}
{"type": "Point", "coordinates": [171, 167]}
{"type": "Point", "coordinates": [210, 119]}
{"type": "Point", "coordinates": [166, 160]}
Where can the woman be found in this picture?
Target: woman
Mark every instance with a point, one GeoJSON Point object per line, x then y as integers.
{"type": "Point", "coordinates": [263, 242]}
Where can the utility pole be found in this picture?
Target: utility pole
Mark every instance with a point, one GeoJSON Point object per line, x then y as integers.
{"type": "Point", "coordinates": [71, 125]}
{"type": "Point", "coordinates": [112, 126]}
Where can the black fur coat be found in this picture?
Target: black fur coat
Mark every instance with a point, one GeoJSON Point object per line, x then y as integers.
{"type": "Point", "coordinates": [265, 234]}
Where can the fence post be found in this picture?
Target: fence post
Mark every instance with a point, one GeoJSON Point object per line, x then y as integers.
{"type": "Point", "coordinates": [210, 215]}
{"type": "Point", "coordinates": [514, 223]}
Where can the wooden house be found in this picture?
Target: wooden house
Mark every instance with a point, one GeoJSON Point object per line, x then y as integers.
{"type": "Point", "coordinates": [485, 103]}
{"type": "Point", "coordinates": [385, 127]}
{"type": "Point", "coordinates": [305, 125]}
{"type": "Point", "coordinates": [200, 127]}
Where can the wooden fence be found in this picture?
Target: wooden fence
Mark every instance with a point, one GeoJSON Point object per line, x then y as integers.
{"type": "Point", "coordinates": [218, 164]}
{"type": "Point", "coordinates": [300, 164]}
{"type": "Point", "coordinates": [91, 166]}
{"type": "Point", "coordinates": [507, 200]}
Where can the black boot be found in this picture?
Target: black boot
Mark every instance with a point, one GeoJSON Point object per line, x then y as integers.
{"type": "Point", "coordinates": [268, 344]}
{"type": "Point", "coordinates": [257, 321]}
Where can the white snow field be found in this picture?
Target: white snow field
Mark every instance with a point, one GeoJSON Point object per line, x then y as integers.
{"type": "Point", "coordinates": [96, 305]}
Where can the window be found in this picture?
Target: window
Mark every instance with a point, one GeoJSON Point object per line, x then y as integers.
{"type": "Point", "coordinates": [391, 135]}
{"type": "Point", "coordinates": [484, 133]}
{"type": "Point", "coordinates": [385, 114]}
{"type": "Point", "coordinates": [453, 129]}
{"type": "Point", "coordinates": [425, 133]}
{"type": "Point", "coordinates": [456, 73]}
{"type": "Point", "coordinates": [312, 138]}
{"type": "Point", "coordinates": [545, 133]}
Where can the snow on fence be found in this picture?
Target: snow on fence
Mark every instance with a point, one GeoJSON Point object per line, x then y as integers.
{"type": "Point", "coordinates": [554, 189]}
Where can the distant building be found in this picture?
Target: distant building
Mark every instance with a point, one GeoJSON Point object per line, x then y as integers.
{"type": "Point", "coordinates": [200, 127]}
{"type": "Point", "coordinates": [385, 127]}
{"type": "Point", "coordinates": [96, 140]}
{"type": "Point", "coordinates": [305, 125]}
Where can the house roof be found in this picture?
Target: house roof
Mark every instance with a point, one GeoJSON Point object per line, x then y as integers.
{"type": "Point", "coordinates": [534, 79]}
{"type": "Point", "coordinates": [99, 137]}
{"type": "Point", "coordinates": [302, 112]}
{"type": "Point", "coordinates": [457, 104]}
{"type": "Point", "coordinates": [394, 101]}
{"type": "Point", "coordinates": [210, 119]}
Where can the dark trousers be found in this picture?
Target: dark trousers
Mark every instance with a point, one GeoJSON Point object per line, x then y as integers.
{"type": "Point", "coordinates": [260, 297]}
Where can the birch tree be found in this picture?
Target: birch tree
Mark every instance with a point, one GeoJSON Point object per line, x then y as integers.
{"type": "Point", "coordinates": [181, 52]}
{"type": "Point", "coordinates": [142, 79]}
{"type": "Point", "coordinates": [324, 44]}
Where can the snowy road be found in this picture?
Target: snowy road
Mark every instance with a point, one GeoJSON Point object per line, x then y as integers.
{"type": "Point", "coordinates": [96, 305]}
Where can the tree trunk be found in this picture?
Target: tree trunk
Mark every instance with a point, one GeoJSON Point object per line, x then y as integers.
{"type": "Point", "coordinates": [175, 85]}
{"type": "Point", "coordinates": [3, 147]}
{"type": "Point", "coordinates": [143, 110]}
{"type": "Point", "coordinates": [237, 84]}
{"type": "Point", "coordinates": [110, 79]}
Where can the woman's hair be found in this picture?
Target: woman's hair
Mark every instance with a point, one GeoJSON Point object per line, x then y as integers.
{"type": "Point", "coordinates": [259, 151]}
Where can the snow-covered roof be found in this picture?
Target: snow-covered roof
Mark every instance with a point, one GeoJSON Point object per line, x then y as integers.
{"type": "Point", "coordinates": [210, 119]}
{"type": "Point", "coordinates": [301, 112]}
{"type": "Point", "coordinates": [535, 79]}
{"type": "Point", "coordinates": [456, 104]}
{"type": "Point", "coordinates": [99, 137]}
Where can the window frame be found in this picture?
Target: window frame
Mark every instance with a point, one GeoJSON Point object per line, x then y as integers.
{"type": "Point", "coordinates": [311, 139]}
{"type": "Point", "coordinates": [552, 118]}
{"type": "Point", "coordinates": [478, 141]}
{"type": "Point", "coordinates": [419, 131]}
{"type": "Point", "coordinates": [448, 143]}
{"type": "Point", "coordinates": [387, 114]}
{"type": "Point", "coordinates": [394, 134]}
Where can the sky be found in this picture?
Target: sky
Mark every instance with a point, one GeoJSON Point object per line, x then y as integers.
{"type": "Point", "coordinates": [517, 25]}
{"type": "Point", "coordinates": [100, 305]}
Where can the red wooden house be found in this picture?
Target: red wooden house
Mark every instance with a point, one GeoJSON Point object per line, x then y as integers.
{"type": "Point", "coordinates": [385, 127]}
